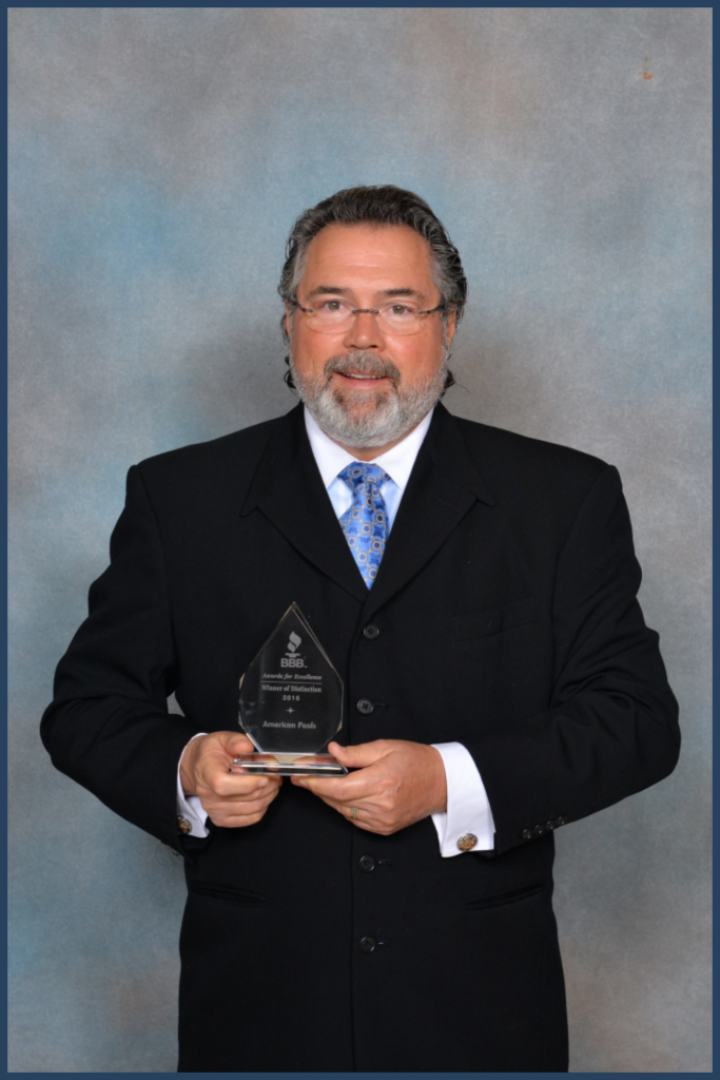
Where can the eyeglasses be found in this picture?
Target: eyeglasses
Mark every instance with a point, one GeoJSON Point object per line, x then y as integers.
{"type": "Point", "coordinates": [333, 316]}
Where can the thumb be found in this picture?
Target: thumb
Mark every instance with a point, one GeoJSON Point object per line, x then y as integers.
{"type": "Point", "coordinates": [356, 757]}
{"type": "Point", "coordinates": [235, 742]}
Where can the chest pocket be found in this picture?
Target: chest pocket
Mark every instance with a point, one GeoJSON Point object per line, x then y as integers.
{"type": "Point", "coordinates": [482, 624]}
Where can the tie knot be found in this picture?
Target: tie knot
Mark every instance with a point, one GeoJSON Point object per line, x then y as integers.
{"type": "Point", "coordinates": [363, 472]}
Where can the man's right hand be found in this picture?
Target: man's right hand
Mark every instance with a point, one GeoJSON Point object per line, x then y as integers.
{"type": "Point", "coordinates": [230, 800]}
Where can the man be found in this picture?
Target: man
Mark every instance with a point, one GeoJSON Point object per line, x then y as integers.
{"type": "Point", "coordinates": [500, 683]}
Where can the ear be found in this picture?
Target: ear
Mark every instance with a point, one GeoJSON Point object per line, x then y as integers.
{"type": "Point", "coordinates": [451, 327]}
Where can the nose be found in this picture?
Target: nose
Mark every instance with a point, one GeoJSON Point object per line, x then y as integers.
{"type": "Point", "coordinates": [364, 332]}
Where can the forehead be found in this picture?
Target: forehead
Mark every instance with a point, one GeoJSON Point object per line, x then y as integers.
{"type": "Point", "coordinates": [385, 256]}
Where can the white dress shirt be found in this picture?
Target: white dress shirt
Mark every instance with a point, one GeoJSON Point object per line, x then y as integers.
{"type": "Point", "coordinates": [468, 808]}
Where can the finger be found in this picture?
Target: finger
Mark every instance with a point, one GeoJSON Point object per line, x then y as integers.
{"type": "Point", "coordinates": [363, 812]}
{"type": "Point", "coordinates": [222, 784]}
{"type": "Point", "coordinates": [222, 743]}
{"type": "Point", "coordinates": [221, 818]}
{"type": "Point", "coordinates": [259, 793]}
{"type": "Point", "coordinates": [235, 742]}
{"type": "Point", "coordinates": [237, 808]}
{"type": "Point", "coordinates": [221, 812]}
{"type": "Point", "coordinates": [346, 789]}
{"type": "Point", "coordinates": [238, 815]}
{"type": "Point", "coordinates": [208, 754]}
{"type": "Point", "coordinates": [365, 818]}
{"type": "Point", "coordinates": [374, 827]}
{"type": "Point", "coordinates": [360, 756]}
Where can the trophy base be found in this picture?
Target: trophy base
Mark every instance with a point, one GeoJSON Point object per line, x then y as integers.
{"type": "Point", "coordinates": [288, 764]}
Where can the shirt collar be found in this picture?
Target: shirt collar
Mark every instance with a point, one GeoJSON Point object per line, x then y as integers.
{"type": "Point", "coordinates": [332, 458]}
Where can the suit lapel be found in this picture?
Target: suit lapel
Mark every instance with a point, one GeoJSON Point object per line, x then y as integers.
{"type": "Point", "coordinates": [288, 489]}
{"type": "Point", "coordinates": [443, 485]}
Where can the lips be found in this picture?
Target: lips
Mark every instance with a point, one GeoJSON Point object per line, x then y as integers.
{"type": "Point", "coordinates": [359, 375]}
{"type": "Point", "coordinates": [362, 367]}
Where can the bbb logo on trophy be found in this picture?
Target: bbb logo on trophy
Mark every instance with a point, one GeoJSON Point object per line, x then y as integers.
{"type": "Point", "coordinates": [291, 659]}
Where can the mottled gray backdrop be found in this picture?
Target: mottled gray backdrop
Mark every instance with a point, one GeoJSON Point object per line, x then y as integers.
{"type": "Point", "coordinates": [158, 159]}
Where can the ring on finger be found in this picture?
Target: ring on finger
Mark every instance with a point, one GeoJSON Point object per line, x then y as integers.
{"type": "Point", "coordinates": [353, 813]}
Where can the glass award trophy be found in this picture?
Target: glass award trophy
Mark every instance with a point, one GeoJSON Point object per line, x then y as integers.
{"type": "Point", "coordinates": [291, 700]}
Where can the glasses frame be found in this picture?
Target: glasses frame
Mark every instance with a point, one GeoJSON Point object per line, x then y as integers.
{"type": "Point", "coordinates": [367, 311]}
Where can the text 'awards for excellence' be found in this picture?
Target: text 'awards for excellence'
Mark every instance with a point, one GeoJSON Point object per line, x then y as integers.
{"type": "Point", "coordinates": [291, 701]}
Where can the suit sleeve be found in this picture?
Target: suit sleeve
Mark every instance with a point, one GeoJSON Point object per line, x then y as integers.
{"type": "Point", "coordinates": [108, 726]}
{"type": "Point", "coordinates": [611, 728]}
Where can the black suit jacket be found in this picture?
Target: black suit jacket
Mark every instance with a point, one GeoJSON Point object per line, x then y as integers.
{"type": "Point", "coordinates": [508, 621]}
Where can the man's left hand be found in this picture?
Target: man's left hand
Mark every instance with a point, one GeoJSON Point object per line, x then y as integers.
{"type": "Point", "coordinates": [396, 783]}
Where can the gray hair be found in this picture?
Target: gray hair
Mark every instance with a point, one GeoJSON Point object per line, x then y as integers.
{"type": "Point", "coordinates": [380, 205]}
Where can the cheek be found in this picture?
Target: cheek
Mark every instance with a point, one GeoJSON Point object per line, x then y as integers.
{"type": "Point", "coordinates": [309, 354]}
{"type": "Point", "coordinates": [420, 362]}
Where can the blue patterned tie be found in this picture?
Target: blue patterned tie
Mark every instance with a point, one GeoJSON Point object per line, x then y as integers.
{"type": "Point", "coordinates": [365, 523]}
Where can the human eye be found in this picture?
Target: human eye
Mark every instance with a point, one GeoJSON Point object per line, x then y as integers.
{"type": "Point", "coordinates": [332, 306]}
{"type": "Point", "coordinates": [399, 311]}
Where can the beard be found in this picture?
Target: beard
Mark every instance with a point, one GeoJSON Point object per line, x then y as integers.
{"type": "Point", "coordinates": [364, 419]}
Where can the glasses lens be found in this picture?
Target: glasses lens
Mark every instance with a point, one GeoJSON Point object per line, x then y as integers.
{"type": "Point", "coordinates": [333, 311]}
{"type": "Point", "coordinates": [333, 316]}
{"type": "Point", "coordinates": [401, 318]}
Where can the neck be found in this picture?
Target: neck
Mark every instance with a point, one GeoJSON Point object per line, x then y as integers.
{"type": "Point", "coordinates": [369, 453]}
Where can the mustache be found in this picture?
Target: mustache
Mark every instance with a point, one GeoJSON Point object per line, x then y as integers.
{"type": "Point", "coordinates": [362, 363]}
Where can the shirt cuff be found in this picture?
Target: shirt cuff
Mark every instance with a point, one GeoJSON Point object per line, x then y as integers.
{"type": "Point", "coordinates": [468, 824]}
{"type": "Point", "coordinates": [189, 808]}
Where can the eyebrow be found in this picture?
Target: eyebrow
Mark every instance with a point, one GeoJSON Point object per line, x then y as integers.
{"type": "Point", "coordinates": [322, 290]}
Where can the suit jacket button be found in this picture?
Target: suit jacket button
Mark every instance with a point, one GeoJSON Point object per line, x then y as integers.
{"type": "Point", "coordinates": [367, 863]}
{"type": "Point", "coordinates": [538, 830]}
{"type": "Point", "coordinates": [559, 821]}
{"type": "Point", "coordinates": [367, 944]}
{"type": "Point", "coordinates": [365, 707]}
{"type": "Point", "coordinates": [527, 834]}
{"type": "Point", "coordinates": [549, 826]}
{"type": "Point", "coordinates": [371, 632]}
{"type": "Point", "coordinates": [467, 842]}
